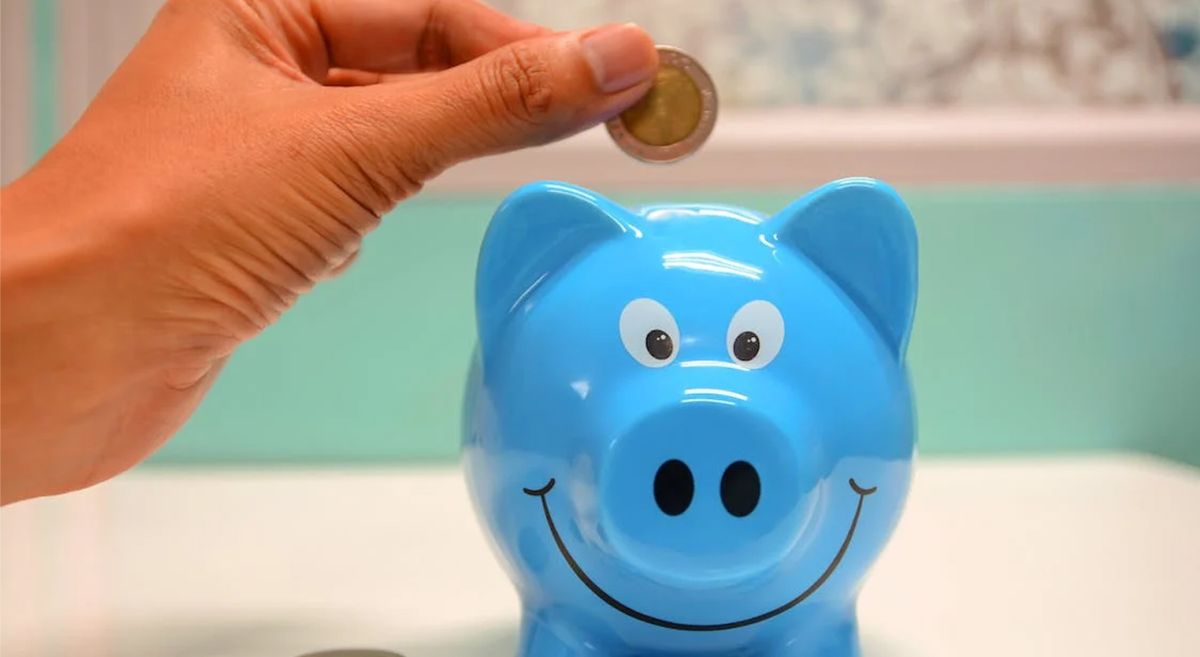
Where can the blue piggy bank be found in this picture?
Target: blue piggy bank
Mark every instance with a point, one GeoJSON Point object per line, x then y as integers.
{"type": "Point", "coordinates": [689, 428]}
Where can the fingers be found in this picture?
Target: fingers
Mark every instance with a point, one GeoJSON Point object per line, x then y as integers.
{"type": "Point", "coordinates": [396, 36]}
{"type": "Point", "coordinates": [341, 267]}
{"type": "Point", "coordinates": [522, 94]}
{"type": "Point", "coordinates": [349, 77]}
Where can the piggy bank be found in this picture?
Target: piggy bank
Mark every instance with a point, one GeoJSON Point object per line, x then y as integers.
{"type": "Point", "coordinates": [689, 428]}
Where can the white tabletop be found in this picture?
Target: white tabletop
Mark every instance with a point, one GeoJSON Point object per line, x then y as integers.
{"type": "Point", "coordinates": [1091, 556]}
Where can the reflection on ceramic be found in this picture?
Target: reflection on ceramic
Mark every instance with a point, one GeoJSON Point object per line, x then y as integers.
{"type": "Point", "coordinates": [689, 428]}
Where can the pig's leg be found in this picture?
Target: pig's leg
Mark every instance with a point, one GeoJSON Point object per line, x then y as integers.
{"type": "Point", "coordinates": [538, 640]}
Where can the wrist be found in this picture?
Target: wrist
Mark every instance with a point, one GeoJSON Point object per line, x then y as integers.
{"type": "Point", "coordinates": [66, 356]}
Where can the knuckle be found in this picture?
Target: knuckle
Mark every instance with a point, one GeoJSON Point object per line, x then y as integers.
{"type": "Point", "coordinates": [522, 79]}
{"type": "Point", "coordinates": [374, 154]}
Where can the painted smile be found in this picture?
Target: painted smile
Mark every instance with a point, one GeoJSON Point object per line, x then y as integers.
{"type": "Point", "coordinates": [541, 493]}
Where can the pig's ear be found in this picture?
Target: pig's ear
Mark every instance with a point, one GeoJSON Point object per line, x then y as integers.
{"type": "Point", "coordinates": [536, 231]}
{"type": "Point", "coordinates": [861, 234]}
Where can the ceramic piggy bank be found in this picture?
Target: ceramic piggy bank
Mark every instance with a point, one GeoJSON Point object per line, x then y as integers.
{"type": "Point", "coordinates": [689, 428]}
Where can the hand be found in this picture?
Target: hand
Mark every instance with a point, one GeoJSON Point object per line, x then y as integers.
{"type": "Point", "coordinates": [237, 157]}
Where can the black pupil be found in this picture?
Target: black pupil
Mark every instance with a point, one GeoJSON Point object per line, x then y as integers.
{"type": "Point", "coordinates": [746, 345]}
{"type": "Point", "coordinates": [658, 343]}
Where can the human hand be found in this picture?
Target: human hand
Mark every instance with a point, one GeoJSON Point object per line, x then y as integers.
{"type": "Point", "coordinates": [237, 157]}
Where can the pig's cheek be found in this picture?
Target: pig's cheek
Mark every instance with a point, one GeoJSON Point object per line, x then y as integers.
{"type": "Point", "coordinates": [532, 550]}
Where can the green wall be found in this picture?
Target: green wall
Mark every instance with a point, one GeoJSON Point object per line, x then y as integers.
{"type": "Point", "coordinates": [43, 77]}
{"type": "Point", "coordinates": [1049, 320]}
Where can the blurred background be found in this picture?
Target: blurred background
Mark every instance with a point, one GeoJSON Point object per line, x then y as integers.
{"type": "Point", "coordinates": [1050, 150]}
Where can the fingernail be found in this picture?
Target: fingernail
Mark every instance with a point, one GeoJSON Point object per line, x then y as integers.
{"type": "Point", "coordinates": [620, 56]}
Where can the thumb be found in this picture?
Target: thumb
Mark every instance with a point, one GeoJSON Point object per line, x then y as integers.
{"type": "Point", "coordinates": [526, 93]}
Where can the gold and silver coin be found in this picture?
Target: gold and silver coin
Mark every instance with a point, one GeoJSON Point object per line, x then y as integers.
{"type": "Point", "coordinates": [675, 117]}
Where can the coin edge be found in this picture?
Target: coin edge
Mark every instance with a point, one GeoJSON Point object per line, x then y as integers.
{"type": "Point", "coordinates": [687, 146]}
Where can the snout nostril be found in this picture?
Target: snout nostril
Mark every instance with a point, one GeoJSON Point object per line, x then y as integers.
{"type": "Point", "coordinates": [674, 487]}
{"type": "Point", "coordinates": [740, 489]}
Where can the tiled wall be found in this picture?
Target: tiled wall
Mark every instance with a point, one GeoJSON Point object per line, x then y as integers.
{"type": "Point", "coordinates": [57, 53]}
{"type": "Point", "coordinates": [943, 52]}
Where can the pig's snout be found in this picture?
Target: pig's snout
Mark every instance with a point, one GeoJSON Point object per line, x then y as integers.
{"type": "Point", "coordinates": [705, 491]}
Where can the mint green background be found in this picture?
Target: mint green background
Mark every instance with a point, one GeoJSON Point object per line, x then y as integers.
{"type": "Point", "coordinates": [43, 76]}
{"type": "Point", "coordinates": [1049, 320]}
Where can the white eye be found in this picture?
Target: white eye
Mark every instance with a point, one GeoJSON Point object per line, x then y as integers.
{"type": "Point", "coordinates": [649, 332]}
{"type": "Point", "coordinates": [755, 334]}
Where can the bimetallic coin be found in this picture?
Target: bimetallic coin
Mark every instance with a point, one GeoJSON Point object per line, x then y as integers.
{"type": "Point", "coordinates": [674, 118]}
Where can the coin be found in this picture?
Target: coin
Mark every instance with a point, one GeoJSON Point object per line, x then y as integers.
{"type": "Point", "coordinates": [675, 117]}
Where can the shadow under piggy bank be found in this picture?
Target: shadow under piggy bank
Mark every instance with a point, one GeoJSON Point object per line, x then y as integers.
{"type": "Point", "coordinates": [495, 642]}
{"type": "Point", "coordinates": [352, 652]}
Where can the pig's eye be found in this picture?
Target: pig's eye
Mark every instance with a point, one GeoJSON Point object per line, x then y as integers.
{"type": "Point", "coordinates": [755, 334]}
{"type": "Point", "coordinates": [649, 332]}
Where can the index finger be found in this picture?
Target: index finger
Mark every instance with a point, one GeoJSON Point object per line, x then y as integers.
{"type": "Point", "coordinates": [390, 36]}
